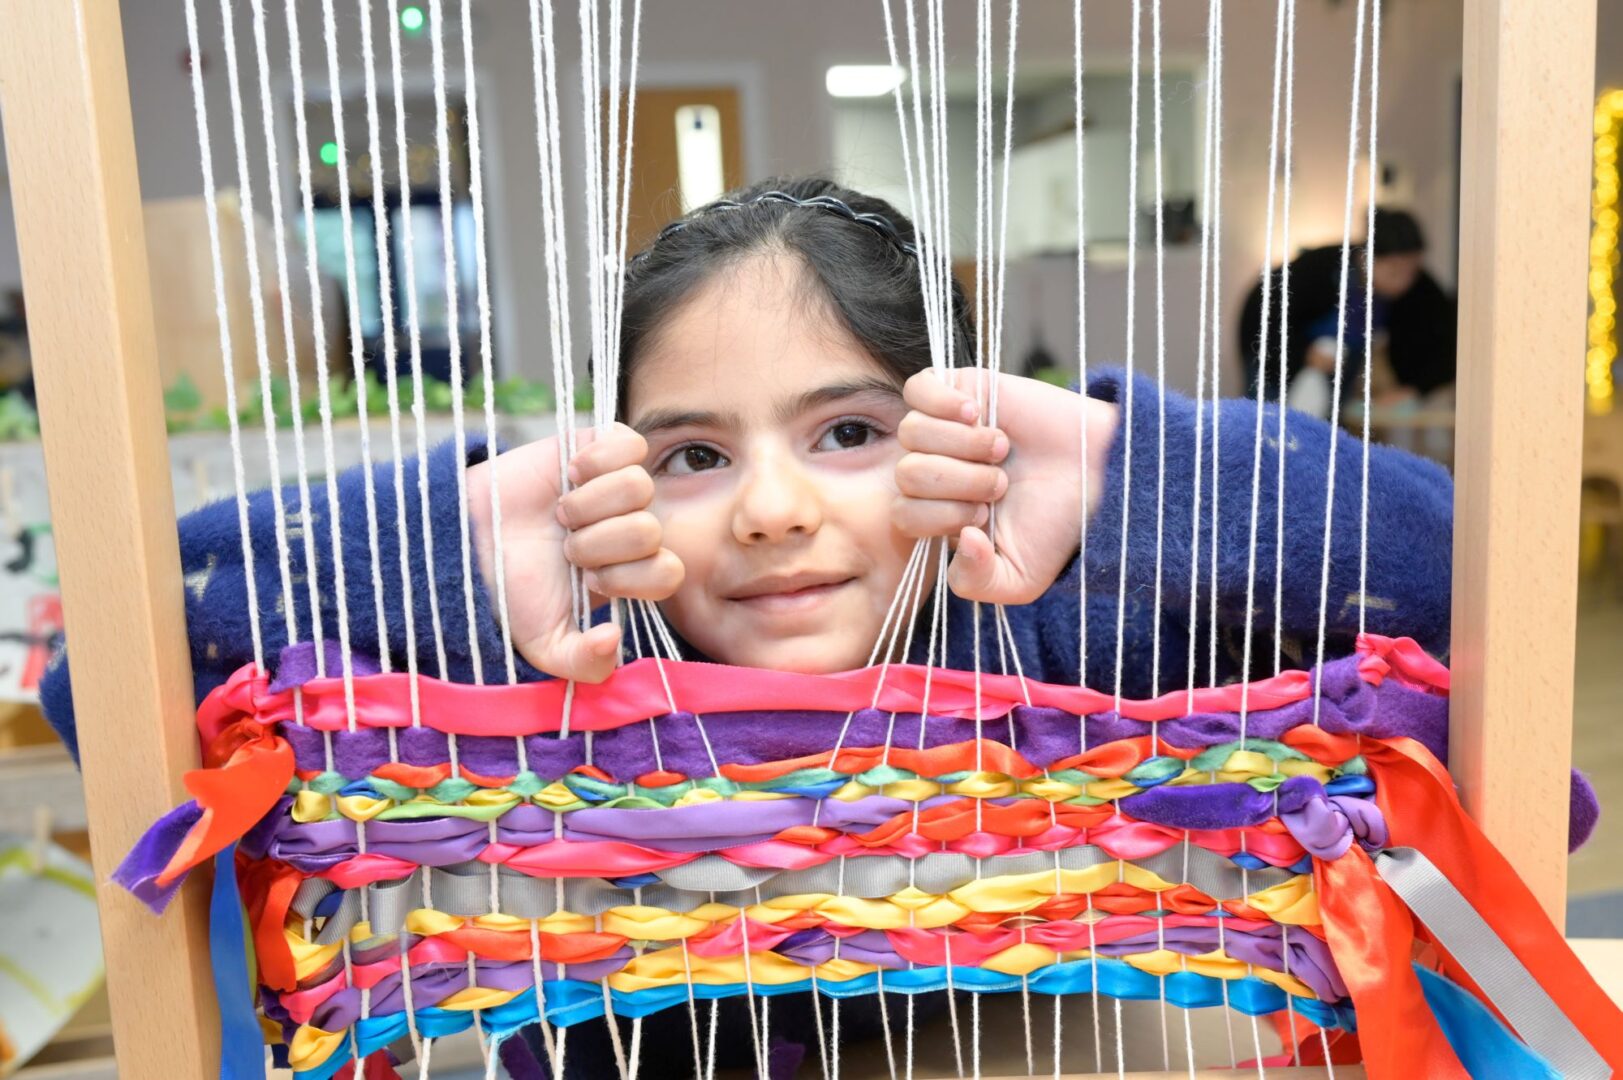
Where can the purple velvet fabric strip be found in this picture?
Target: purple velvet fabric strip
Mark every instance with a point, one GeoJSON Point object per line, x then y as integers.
{"type": "Point", "coordinates": [297, 664]}
{"type": "Point", "coordinates": [140, 869]}
{"type": "Point", "coordinates": [1325, 825]}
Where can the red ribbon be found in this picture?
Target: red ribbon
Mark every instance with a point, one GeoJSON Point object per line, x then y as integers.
{"type": "Point", "coordinates": [267, 889]}
{"type": "Point", "coordinates": [1372, 937]}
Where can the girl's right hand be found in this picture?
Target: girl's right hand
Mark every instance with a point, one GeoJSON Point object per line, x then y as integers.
{"type": "Point", "coordinates": [603, 526]}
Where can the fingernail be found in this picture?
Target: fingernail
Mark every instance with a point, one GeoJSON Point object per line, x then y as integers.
{"type": "Point", "coordinates": [969, 411]}
{"type": "Point", "coordinates": [1000, 446]}
{"type": "Point", "coordinates": [981, 514]}
{"type": "Point", "coordinates": [573, 473]}
{"type": "Point", "coordinates": [1001, 486]}
{"type": "Point", "coordinates": [592, 583]}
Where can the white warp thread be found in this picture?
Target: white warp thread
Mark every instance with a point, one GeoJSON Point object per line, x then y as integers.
{"type": "Point", "coordinates": [323, 389]}
{"type": "Point", "coordinates": [222, 318]}
{"type": "Point", "coordinates": [1283, 13]}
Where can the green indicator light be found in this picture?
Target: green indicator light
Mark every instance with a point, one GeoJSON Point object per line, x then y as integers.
{"type": "Point", "coordinates": [329, 153]}
{"type": "Point", "coordinates": [411, 18]}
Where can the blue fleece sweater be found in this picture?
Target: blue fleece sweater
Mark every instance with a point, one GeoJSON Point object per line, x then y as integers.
{"type": "Point", "coordinates": [1410, 540]}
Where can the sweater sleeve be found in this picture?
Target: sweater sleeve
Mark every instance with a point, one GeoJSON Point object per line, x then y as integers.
{"type": "Point", "coordinates": [1409, 543]}
{"type": "Point", "coordinates": [428, 589]}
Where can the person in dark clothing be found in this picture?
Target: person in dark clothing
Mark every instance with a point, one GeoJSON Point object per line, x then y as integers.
{"type": "Point", "coordinates": [1413, 315]}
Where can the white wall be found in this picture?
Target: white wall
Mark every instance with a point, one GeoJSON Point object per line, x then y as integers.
{"type": "Point", "coordinates": [778, 53]}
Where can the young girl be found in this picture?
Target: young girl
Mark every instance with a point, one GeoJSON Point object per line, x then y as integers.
{"type": "Point", "coordinates": [784, 443]}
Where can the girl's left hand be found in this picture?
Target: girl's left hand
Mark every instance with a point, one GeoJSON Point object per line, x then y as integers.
{"type": "Point", "coordinates": [1029, 467]}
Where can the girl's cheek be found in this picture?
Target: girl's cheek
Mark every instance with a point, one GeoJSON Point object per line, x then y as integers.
{"type": "Point", "coordinates": [875, 478]}
{"type": "Point", "coordinates": [689, 530]}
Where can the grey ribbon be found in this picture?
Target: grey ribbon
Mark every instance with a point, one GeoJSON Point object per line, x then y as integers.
{"type": "Point", "coordinates": [464, 889]}
{"type": "Point", "coordinates": [1490, 963]}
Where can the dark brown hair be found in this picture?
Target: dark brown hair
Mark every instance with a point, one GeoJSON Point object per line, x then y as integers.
{"type": "Point", "coordinates": [857, 248]}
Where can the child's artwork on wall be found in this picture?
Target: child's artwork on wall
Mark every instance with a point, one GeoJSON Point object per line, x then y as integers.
{"type": "Point", "coordinates": [50, 955]}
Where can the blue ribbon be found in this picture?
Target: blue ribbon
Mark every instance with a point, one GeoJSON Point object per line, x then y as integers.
{"type": "Point", "coordinates": [242, 1045]}
{"type": "Point", "coordinates": [1485, 1047]}
{"type": "Point", "coordinates": [575, 1001]}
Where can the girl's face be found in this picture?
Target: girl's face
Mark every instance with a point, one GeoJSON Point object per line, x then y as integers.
{"type": "Point", "coordinates": [772, 444]}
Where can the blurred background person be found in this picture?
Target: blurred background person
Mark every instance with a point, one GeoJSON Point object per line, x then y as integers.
{"type": "Point", "coordinates": [1414, 322]}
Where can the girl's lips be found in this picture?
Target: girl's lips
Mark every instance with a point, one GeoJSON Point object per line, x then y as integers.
{"type": "Point", "coordinates": [797, 600]}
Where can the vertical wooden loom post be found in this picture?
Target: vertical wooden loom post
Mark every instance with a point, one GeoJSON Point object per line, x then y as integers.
{"type": "Point", "coordinates": [1529, 79]}
{"type": "Point", "coordinates": [78, 207]}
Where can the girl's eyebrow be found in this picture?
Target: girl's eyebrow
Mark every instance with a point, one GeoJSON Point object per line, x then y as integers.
{"type": "Point", "coordinates": [871, 386]}
{"type": "Point", "coordinates": [666, 419]}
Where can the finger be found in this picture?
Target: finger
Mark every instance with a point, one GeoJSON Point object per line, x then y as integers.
{"type": "Point", "coordinates": [621, 539]}
{"type": "Point", "coordinates": [934, 395]}
{"type": "Point", "coordinates": [977, 572]}
{"type": "Point", "coordinates": [589, 656]}
{"type": "Point", "coordinates": [932, 476]}
{"type": "Point", "coordinates": [925, 518]}
{"type": "Point", "coordinates": [927, 434]}
{"type": "Point", "coordinates": [606, 451]}
{"type": "Point", "coordinates": [654, 578]}
{"type": "Point", "coordinates": [623, 491]}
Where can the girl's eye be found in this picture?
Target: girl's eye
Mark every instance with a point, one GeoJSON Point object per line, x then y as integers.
{"type": "Point", "coordinates": [848, 435]}
{"type": "Point", "coordinates": [693, 459]}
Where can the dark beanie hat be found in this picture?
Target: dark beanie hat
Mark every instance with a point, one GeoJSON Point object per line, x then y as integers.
{"type": "Point", "coordinates": [1397, 233]}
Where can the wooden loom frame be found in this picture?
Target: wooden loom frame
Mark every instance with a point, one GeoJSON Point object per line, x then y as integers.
{"type": "Point", "coordinates": [1528, 88]}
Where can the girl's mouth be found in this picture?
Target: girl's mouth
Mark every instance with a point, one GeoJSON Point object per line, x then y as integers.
{"type": "Point", "coordinates": [787, 595]}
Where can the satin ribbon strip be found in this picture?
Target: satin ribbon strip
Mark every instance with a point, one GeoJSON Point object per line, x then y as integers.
{"type": "Point", "coordinates": [1418, 798]}
{"type": "Point", "coordinates": [247, 768]}
{"type": "Point", "coordinates": [241, 1043]}
{"type": "Point", "coordinates": [617, 842]}
{"type": "Point", "coordinates": [465, 889]}
{"type": "Point", "coordinates": [1263, 764]}
{"type": "Point", "coordinates": [1290, 901]}
{"type": "Point", "coordinates": [438, 942]}
{"type": "Point", "coordinates": [1371, 936]}
{"type": "Point", "coordinates": [1371, 933]}
{"type": "Point", "coordinates": [643, 689]}
{"type": "Point", "coordinates": [571, 1001]}
{"type": "Point", "coordinates": [757, 745]}
{"type": "Point", "coordinates": [1508, 985]}
{"type": "Point", "coordinates": [502, 958]}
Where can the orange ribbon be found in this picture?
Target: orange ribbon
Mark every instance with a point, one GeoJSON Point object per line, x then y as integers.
{"type": "Point", "coordinates": [247, 768]}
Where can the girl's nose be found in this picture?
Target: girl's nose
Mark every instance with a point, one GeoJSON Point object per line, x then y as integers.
{"type": "Point", "coordinates": [775, 501]}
